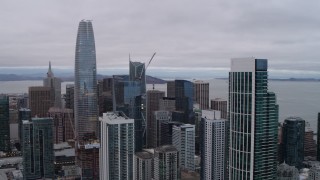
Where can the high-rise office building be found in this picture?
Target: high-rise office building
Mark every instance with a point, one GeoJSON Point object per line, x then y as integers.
{"type": "Point", "coordinates": [137, 74]}
{"type": "Point", "coordinates": [105, 95]}
{"type": "Point", "coordinates": [143, 163]}
{"type": "Point", "coordinates": [40, 100]}
{"type": "Point", "coordinates": [293, 132]}
{"type": "Point", "coordinates": [171, 90]}
{"type": "Point", "coordinates": [318, 138]}
{"type": "Point", "coordinates": [220, 105]}
{"type": "Point", "coordinates": [153, 98]}
{"type": "Point", "coordinates": [166, 131]}
{"type": "Point", "coordinates": [310, 146]}
{"type": "Point", "coordinates": [86, 102]}
{"type": "Point", "coordinates": [201, 94]}
{"type": "Point", "coordinates": [55, 84]}
{"type": "Point", "coordinates": [128, 99]}
{"type": "Point", "coordinates": [253, 116]}
{"type": "Point", "coordinates": [166, 163]}
{"type": "Point", "coordinates": [69, 96]}
{"type": "Point", "coordinates": [63, 124]}
{"type": "Point", "coordinates": [117, 146]}
{"type": "Point", "coordinates": [159, 118]}
{"type": "Point", "coordinates": [214, 150]}
{"type": "Point", "coordinates": [167, 104]}
{"type": "Point", "coordinates": [184, 101]}
{"type": "Point", "coordinates": [24, 114]}
{"type": "Point", "coordinates": [183, 138]}
{"type": "Point", "coordinates": [4, 121]}
{"type": "Point", "coordinates": [37, 146]}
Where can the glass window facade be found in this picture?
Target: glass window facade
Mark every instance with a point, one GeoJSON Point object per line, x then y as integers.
{"type": "Point", "coordinates": [253, 115]}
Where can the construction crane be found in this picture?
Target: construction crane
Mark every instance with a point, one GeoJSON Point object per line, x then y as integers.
{"type": "Point", "coordinates": [145, 69]}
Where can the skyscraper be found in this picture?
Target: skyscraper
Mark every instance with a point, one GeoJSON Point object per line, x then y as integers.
{"type": "Point", "coordinates": [293, 132]}
{"type": "Point", "coordinates": [220, 105]}
{"type": "Point", "coordinates": [24, 114]}
{"type": "Point", "coordinates": [55, 84]}
{"type": "Point", "coordinates": [166, 163]}
{"type": "Point", "coordinates": [310, 147]}
{"type": "Point", "coordinates": [63, 126]}
{"type": "Point", "coordinates": [201, 93]}
{"type": "Point", "coordinates": [38, 148]}
{"type": "Point", "coordinates": [117, 146]}
{"type": "Point", "coordinates": [183, 138]}
{"type": "Point", "coordinates": [153, 98]}
{"type": "Point", "coordinates": [184, 101]}
{"type": "Point", "coordinates": [40, 100]}
{"type": "Point", "coordinates": [137, 74]}
{"type": "Point", "coordinates": [127, 98]}
{"type": "Point", "coordinates": [253, 115]}
{"type": "Point", "coordinates": [85, 101]}
{"type": "Point", "coordinates": [318, 138]}
{"type": "Point", "coordinates": [143, 163]}
{"type": "Point", "coordinates": [69, 97]}
{"type": "Point", "coordinates": [4, 121]}
{"type": "Point", "coordinates": [214, 150]}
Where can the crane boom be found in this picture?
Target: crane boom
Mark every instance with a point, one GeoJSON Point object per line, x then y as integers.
{"type": "Point", "coordinates": [147, 65]}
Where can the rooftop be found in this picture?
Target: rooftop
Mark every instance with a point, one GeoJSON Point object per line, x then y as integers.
{"type": "Point", "coordinates": [144, 155]}
{"type": "Point", "coordinates": [166, 148]}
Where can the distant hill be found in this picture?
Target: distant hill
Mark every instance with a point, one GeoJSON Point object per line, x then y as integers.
{"type": "Point", "coordinates": [15, 77]}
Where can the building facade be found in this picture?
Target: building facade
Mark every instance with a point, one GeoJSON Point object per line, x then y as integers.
{"type": "Point", "coordinates": [201, 94]}
{"type": "Point", "coordinates": [143, 163]}
{"type": "Point", "coordinates": [183, 138]}
{"type": "Point", "coordinates": [310, 146]}
{"type": "Point", "coordinates": [153, 98]}
{"type": "Point", "coordinates": [69, 96]}
{"type": "Point", "coordinates": [63, 124]}
{"type": "Point", "coordinates": [220, 105]}
{"type": "Point", "coordinates": [318, 138]}
{"type": "Point", "coordinates": [253, 116]}
{"type": "Point", "coordinates": [40, 100]}
{"type": "Point", "coordinates": [55, 84]}
{"type": "Point", "coordinates": [117, 147]}
{"type": "Point", "coordinates": [166, 163]}
{"type": "Point", "coordinates": [5, 127]}
{"type": "Point", "coordinates": [128, 99]}
{"type": "Point", "coordinates": [38, 155]}
{"type": "Point", "coordinates": [214, 146]}
{"type": "Point", "coordinates": [86, 101]}
{"type": "Point", "coordinates": [293, 132]}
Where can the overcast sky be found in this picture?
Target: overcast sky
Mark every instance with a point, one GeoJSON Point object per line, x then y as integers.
{"type": "Point", "coordinates": [184, 33]}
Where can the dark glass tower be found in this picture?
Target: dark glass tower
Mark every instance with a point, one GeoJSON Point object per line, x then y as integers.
{"type": "Point", "coordinates": [253, 115]}
{"type": "Point", "coordinates": [4, 121]}
{"type": "Point", "coordinates": [37, 146]}
{"type": "Point", "coordinates": [86, 102]}
{"type": "Point", "coordinates": [293, 132]}
{"type": "Point", "coordinates": [184, 102]}
{"type": "Point", "coordinates": [318, 138]}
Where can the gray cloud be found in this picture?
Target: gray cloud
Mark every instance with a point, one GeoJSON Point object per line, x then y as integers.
{"type": "Point", "coordinates": [183, 33]}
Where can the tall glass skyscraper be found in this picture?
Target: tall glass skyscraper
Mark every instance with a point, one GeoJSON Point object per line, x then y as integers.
{"type": "Point", "coordinates": [85, 95]}
{"type": "Point", "coordinates": [253, 115]}
{"type": "Point", "coordinates": [86, 102]}
{"type": "Point", "coordinates": [4, 120]}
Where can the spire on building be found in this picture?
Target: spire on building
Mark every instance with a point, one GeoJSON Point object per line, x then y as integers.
{"type": "Point", "coordinates": [50, 73]}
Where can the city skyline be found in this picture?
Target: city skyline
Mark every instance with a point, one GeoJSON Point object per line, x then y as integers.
{"type": "Point", "coordinates": [202, 35]}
